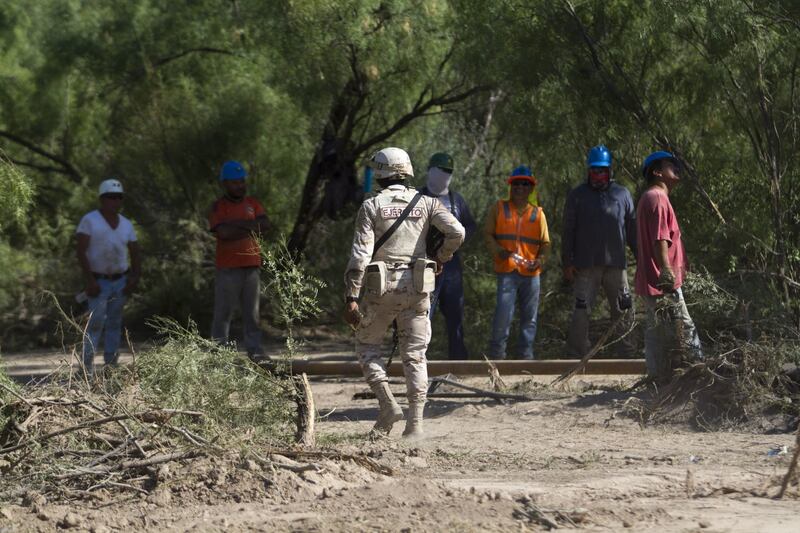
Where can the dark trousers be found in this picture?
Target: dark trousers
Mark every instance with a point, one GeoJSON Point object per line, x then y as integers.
{"type": "Point", "coordinates": [449, 297]}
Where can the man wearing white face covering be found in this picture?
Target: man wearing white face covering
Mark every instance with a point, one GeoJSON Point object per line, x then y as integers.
{"type": "Point", "coordinates": [449, 292]}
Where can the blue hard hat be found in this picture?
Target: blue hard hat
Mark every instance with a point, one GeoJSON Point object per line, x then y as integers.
{"type": "Point", "coordinates": [599, 156]}
{"type": "Point", "coordinates": [232, 170]}
{"type": "Point", "coordinates": [523, 172]}
{"type": "Point", "coordinates": [657, 156]}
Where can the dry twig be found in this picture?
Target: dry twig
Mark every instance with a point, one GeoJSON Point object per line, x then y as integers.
{"type": "Point", "coordinates": [563, 378]}
{"type": "Point", "coordinates": [483, 392]}
{"type": "Point", "coordinates": [792, 466]}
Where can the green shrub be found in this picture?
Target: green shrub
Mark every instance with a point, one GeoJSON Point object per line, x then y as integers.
{"type": "Point", "coordinates": [16, 193]}
{"type": "Point", "coordinates": [237, 397]}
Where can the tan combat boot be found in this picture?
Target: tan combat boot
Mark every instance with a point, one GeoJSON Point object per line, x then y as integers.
{"type": "Point", "coordinates": [414, 421]}
{"type": "Point", "coordinates": [390, 412]}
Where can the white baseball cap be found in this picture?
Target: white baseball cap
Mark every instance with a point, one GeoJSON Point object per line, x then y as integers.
{"type": "Point", "coordinates": [111, 186]}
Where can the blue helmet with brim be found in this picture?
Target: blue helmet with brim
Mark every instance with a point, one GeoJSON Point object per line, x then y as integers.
{"type": "Point", "coordinates": [599, 156]}
{"type": "Point", "coordinates": [232, 170]}
{"type": "Point", "coordinates": [657, 156]}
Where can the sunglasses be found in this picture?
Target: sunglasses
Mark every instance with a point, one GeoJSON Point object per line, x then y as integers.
{"type": "Point", "coordinates": [521, 183]}
{"type": "Point", "coordinates": [113, 196]}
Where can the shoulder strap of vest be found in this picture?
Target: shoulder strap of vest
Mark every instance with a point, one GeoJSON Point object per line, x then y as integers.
{"type": "Point", "coordinates": [389, 232]}
{"type": "Point", "coordinates": [506, 208]}
{"type": "Point", "coordinates": [534, 213]}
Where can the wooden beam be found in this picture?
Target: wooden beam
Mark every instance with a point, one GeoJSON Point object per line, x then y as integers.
{"type": "Point", "coordinates": [479, 368]}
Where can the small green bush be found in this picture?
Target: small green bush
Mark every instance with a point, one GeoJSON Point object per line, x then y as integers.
{"type": "Point", "coordinates": [237, 397]}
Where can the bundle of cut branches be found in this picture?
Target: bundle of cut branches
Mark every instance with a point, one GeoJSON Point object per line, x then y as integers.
{"type": "Point", "coordinates": [80, 440]}
{"type": "Point", "coordinates": [732, 388]}
{"type": "Point", "coordinates": [184, 398]}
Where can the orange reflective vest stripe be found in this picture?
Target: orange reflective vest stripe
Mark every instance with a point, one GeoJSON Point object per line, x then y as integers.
{"type": "Point", "coordinates": [519, 234]}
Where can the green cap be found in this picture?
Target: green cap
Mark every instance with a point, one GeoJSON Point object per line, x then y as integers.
{"type": "Point", "coordinates": [441, 160]}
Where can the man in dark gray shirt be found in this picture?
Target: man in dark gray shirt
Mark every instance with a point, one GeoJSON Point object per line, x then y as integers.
{"type": "Point", "coordinates": [599, 220]}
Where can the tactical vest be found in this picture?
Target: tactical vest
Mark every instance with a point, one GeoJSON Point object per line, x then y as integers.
{"type": "Point", "coordinates": [519, 234]}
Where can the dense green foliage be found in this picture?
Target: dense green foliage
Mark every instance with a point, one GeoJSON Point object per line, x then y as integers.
{"type": "Point", "coordinates": [187, 371]}
{"type": "Point", "coordinates": [159, 93]}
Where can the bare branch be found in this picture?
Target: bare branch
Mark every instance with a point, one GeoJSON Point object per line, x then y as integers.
{"type": "Point", "coordinates": [67, 167]}
{"type": "Point", "coordinates": [480, 144]}
{"type": "Point", "coordinates": [41, 168]}
{"type": "Point", "coordinates": [416, 112]}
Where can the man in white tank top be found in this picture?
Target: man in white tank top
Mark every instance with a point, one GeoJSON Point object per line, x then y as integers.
{"type": "Point", "coordinates": [109, 257]}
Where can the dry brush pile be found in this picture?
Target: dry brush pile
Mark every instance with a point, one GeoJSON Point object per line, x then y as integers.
{"type": "Point", "coordinates": [749, 376]}
{"type": "Point", "coordinates": [186, 398]}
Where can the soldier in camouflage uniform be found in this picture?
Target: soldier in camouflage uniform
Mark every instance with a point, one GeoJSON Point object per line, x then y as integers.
{"type": "Point", "coordinates": [397, 280]}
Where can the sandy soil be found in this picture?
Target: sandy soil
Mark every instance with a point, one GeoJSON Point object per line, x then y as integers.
{"type": "Point", "coordinates": [567, 459]}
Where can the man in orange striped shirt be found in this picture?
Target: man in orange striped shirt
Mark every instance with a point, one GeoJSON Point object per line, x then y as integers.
{"type": "Point", "coordinates": [236, 219]}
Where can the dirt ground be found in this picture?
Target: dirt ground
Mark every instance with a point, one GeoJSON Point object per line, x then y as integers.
{"type": "Point", "coordinates": [568, 460]}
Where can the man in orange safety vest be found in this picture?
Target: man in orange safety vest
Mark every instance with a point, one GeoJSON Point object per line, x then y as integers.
{"type": "Point", "coordinates": [516, 234]}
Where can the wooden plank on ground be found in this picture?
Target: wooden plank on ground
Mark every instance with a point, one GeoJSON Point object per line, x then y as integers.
{"type": "Point", "coordinates": [479, 368]}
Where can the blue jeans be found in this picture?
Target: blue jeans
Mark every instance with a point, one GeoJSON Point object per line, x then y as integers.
{"type": "Point", "coordinates": [449, 295]}
{"type": "Point", "coordinates": [105, 316]}
{"type": "Point", "coordinates": [509, 286]}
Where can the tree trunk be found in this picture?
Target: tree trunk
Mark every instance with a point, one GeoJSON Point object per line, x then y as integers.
{"type": "Point", "coordinates": [331, 186]}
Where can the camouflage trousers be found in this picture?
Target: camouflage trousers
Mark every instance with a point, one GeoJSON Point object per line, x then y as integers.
{"type": "Point", "coordinates": [402, 303]}
{"type": "Point", "coordinates": [670, 337]}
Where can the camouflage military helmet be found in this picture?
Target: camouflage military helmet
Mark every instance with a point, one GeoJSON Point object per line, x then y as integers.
{"type": "Point", "coordinates": [391, 163]}
{"type": "Point", "coordinates": [441, 160]}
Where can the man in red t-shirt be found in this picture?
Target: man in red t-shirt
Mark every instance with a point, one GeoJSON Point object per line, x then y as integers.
{"type": "Point", "coordinates": [235, 219]}
{"type": "Point", "coordinates": [670, 337]}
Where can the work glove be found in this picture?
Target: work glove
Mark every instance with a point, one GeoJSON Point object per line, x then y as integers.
{"type": "Point", "coordinates": [666, 280]}
{"type": "Point", "coordinates": [351, 313]}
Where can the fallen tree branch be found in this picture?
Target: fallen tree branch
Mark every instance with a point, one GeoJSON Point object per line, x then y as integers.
{"type": "Point", "coordinates": [792, 466]}
{"type": "Point", "coordinates": [131, 465]}
{"type": "Point", "coordinates": [47, 436]}
{"type": "Point", "coordinates": [362, 460]}
{"type": "Point", "coordinates": [566, 376]}
{"type": "Point", "coordinates": [291, 465]}
{"type": "Point", "coordinates": [482, 392]}
{"type": "Point", "coordinates": [147, 416]}
{"type": "Point", "coordinates": [14, 393]}
{"type": "Point", "coordinates": [193, 438]}
{"type": "Point", "coordinates": [115, 451]}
